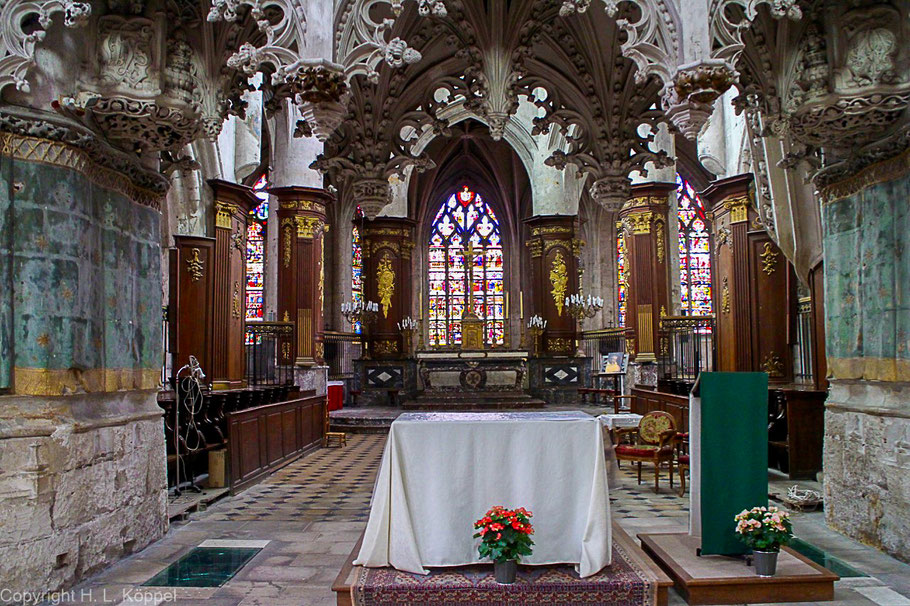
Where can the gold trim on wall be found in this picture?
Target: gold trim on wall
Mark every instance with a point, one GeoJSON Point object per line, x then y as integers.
{"type": "Point", "coordinates": [880, 172]}
{"type": "Point", "coordinates": [47, 382]}
{"type": "Point", "coordinates": [45, 151]}
{"type": "Point", "coordinates": [768, 259]}
{"type": "Point", "coordinates": [194, 265]}
{"type": "Point", "coordinates": [871, 369]}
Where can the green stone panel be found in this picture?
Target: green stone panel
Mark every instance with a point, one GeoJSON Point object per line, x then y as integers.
{"type": "Point", "coordinates": [6, 290]}
{"type": "Point", "coordinates": [867, 272]}
{"type": "Point", "coordinates": [85, 271]}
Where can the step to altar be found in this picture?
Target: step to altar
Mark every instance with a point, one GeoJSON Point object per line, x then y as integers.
{"type": "Point", "coordinates": [473, 401]}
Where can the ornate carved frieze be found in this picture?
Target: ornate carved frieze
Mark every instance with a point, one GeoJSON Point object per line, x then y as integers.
{"type": "Point", "coordinates": [640, 222]}
{"type": "Point", "coordinates": [48, 138]}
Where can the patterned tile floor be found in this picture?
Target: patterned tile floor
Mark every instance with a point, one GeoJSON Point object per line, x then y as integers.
{"type": "Point", "coordinates": [313, 511]}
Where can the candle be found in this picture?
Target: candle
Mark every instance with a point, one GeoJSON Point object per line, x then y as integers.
{"type": "Point", "coordinates": [521, 304]}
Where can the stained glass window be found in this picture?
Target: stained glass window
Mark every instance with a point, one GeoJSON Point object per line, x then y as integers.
{"type": "Point", "coordinates": [255, 253]}
{"type": "Point", "coordinates": [694, 252]}
{"type": "Point", "coordinates": [622, 273]}
{"type": "Point", "coordinates": [465, 218]}
{"type": "Point", "coordinates": [356, 268]}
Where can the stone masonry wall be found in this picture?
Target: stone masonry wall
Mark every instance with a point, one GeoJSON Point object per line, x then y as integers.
{"type": "Point", "coordinates": [82, 484]}
{"type": "Point", "coordinates": [867, 463]}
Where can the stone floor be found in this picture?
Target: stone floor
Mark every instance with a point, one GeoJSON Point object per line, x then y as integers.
{"type": "Point", "coordinates": [312, 512]}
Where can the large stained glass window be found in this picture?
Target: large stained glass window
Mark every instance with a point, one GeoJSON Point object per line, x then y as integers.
{"type": "Point", "coordinates": [255, 253]}
{"type": "Point", "coordinates": [694, 252]}
{"type": "Point", "coordinates": [622, 275]}
{"type": "Point", "coordinates": [356, 267]}
{"type": "Point", "coordinates": [465, 218]}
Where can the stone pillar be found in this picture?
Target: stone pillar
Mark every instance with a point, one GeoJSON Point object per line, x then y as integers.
{"type": "Point", "coordinates": [867, 289]}
{"type": "Point", "coordinates": [644, 221]}
{"type": "Point", "coordinates": [191, 306]}
{"type": "Point", "coordinates": [82, 479]}
{"type": "Point", "coordinates": [752, 285]}
{"type": "Point", "coordinates": [554, 276]}
{"type": "Point", "coordinates": [233, 204]}
{"type": "Point", "coordinates": [387, 280]}
{"type": "Point", "coordinates": [301, 277]}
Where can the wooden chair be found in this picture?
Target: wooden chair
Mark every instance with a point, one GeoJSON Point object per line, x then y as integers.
{"type": "Point", "coordinates": [682, 459]}
{"type": "Point", "coordinates": [335, 439]}
{"type": "Point", "coordinates": [654, 443]}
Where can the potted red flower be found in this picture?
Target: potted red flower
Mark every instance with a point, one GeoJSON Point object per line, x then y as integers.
{"type": "Point", "coordinates": [505, 536]}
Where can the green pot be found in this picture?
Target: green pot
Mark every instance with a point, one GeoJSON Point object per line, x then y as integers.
{"type": "Point", "coordinates": [505, 571]}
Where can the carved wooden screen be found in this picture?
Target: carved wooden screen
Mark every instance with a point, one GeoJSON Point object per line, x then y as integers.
{"type": "Point", "coordinates": [465, 217]}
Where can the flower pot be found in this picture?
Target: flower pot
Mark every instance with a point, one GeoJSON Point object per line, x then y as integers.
{"type": "Point", "coordinates": [505, 571]}
{"type": "Point", "coordinates": [765, 562]}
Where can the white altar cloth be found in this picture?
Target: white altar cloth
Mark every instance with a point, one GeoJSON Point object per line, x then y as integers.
{"type": "Point", "coordinates": [620, 420]}
{"type": "Point", "coordinates": [441, 472]}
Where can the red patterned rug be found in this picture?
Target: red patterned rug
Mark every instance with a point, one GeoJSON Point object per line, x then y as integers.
{"type": "Point", "coordinates": [625, 582]}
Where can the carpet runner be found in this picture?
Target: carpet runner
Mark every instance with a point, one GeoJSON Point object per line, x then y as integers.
{"type": "Point", "coordinates": [626, 582]}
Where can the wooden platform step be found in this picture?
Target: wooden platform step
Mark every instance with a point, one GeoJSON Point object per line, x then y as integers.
{"type": "Point", "coordinates": [725, 580]}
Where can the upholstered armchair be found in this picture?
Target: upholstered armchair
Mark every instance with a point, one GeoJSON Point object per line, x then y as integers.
{"type": "Point", "coordinates": [652, 442]}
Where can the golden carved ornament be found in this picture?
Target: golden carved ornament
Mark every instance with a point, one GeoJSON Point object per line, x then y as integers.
{"type": "Point", "coordinates": [238, 241]}
{"type": "Point", "coordinates": [664, 347]}
{"type": "Point", "coordinates": [223, 215]}
{"type": "Point", "coordinates": [559, 344]}
{"type": "Point", "coordinates": [387, 231]}
{"type": "Point", "coordinates": [386, 244]}
{"type": "Point", "coordinates": [725, 297]}
{"type": "Point", "coordinates": [739, 208]}
{"type": "Point", "coordinates": [661, 243]}
{"type": "Point", "coordinates": [640, 223]}
{"type": "Point", "coordinates": [577, 246]}
{"type": "Point", "coordinates": [286, 349]}
{"type": "Point", "coordinates": [636, 202]}
{"type": "Point", "coordinates": [287, 317]}
{"type": "Point", "coordinates": [663, 311]}
{"type": "Point", "coordinates": [385, 284]}
{"type": "Point", "coordinates": [319, 350]}
{"type": "Point", "coordinates": [630, 346]}
{"type": "Point", "coordinates": [773, 365]}
{"type": "Point", "coordinates": [308, 227]}
{"type": "Point", "coordinates": [194, 265]}
{"type": "Point", "coordinates": [235, 300]}
{"type": "Point", "coordinates": [724, 236]}
{"type": "Point", "coordinates": [551, 244]}
{"type": "Point", "coordinates": [536, 248]}
{"type": "Point", "coordinates": [769, 259]}
{"type": "Point", "coordinates": [303, 205]}
{"type": "Point", "coordinates": [550, 229]}
{"type": "Point", "coordinates": [387, 347]}
{"type": "Point", "coordinates": [559, 280]}
{"type": "Point", "coordinates": [406, 247]}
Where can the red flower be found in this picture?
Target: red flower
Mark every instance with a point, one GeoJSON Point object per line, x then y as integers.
{"type": "Point", "coordinates": [498, 536]}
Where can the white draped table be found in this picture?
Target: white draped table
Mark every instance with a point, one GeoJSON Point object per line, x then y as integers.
{"type": "Point", "coordinates": [442, 471]}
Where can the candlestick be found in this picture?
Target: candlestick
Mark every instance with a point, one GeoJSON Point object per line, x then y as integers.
{"type": "Point", "coordinates": [521, 305]}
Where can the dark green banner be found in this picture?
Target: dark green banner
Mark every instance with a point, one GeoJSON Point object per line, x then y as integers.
{"type": "Point", "coordinates": [734, 454]}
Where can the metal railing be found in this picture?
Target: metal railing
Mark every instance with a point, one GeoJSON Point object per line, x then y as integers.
{"type": "Point", "coordinates": [685, 348]}
{"type": "Point", "coordinates": [802, 348]}
{"type": "Point", "coordinates": [269, 357]}
{"type": "Point", "coordinates": [598, 343]}
{"type": "Point", "coordinates": [341, 349]}
{"type": "Point", "coordinates": [167, 358]}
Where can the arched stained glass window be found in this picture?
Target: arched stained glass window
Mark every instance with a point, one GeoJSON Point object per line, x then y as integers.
{"type": "Point", "coordinates": [622, 274]}
{"type": "Point", "coordinates": [465, 218]}
{"type": "Point", "coordinates": [694, 252]}
{"type": "Point", "coordinates": [356, 267]}
{"type": "Point", "coordinates": [255, 253]}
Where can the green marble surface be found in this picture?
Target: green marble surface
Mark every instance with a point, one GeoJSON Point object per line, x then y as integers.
{"type": "Point", "coordinates": [81, 274]}
{"type": "Point", "coordinates": [867, 272]}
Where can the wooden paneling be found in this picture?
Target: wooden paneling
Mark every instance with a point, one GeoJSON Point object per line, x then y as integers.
{"type": "Point", "coordinates": [192, 285]}
{"type": "Point", "coordinates": [264, 438]}
{"type": "Point", "coordinates": [646, 400]}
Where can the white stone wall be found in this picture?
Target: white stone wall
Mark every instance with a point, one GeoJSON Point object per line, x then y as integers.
{"type": "Point", "coordinates": [83, 483]}
{"type": "Point", "coordinates": [867, 463]}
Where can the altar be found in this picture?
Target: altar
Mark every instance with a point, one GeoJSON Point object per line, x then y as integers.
{"type": "Point", "coordinates": [441, 471]}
